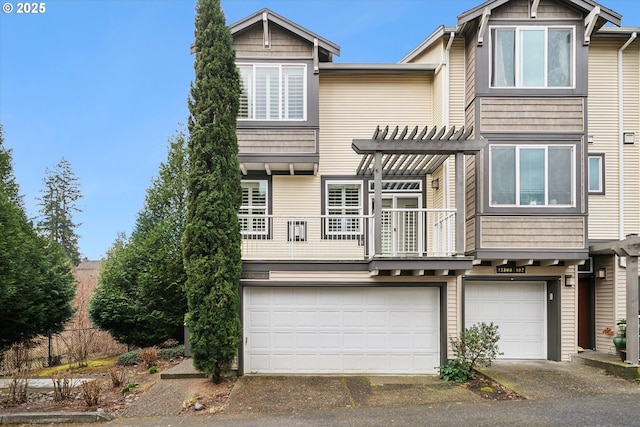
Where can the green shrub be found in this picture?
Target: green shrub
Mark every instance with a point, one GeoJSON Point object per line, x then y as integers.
{"type": "Point", "coordinates": [455, 370]}
{"type": "Point", "coordinates": [171, 353]}
{"type": "Point", "coordinates": [153, 369]}
{"type": "Point", "coordinates": [478, 344]}
{"type": "Point", "coordinates": [130, 358]}
{"type": "Point", "coordinates": [128, 387]}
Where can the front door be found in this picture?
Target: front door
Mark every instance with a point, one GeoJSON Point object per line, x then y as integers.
{"type": "Point", "coordinates": [402, 225]}
{"type": "Point", "coordinates": [585, 310]}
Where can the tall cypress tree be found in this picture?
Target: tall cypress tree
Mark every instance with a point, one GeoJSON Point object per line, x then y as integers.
{"type": "Point", "coordinates": [212, 241]}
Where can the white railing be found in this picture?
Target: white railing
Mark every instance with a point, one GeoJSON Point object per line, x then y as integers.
{"type": "Point", "coordinates": [405, 233]}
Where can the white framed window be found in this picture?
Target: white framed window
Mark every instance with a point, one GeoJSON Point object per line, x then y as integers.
{"type": "Point", "coordinates": [343, 208]}
{"type": "Point", "coordinates": [254, 211]}
{"type": "Point", "coordinates": [532, 175]}
{"type": "Point", "coordinates": [596, 174]}
{"type": "Point", "coordinates": [532, 57]}
{"type": "Point", "coordinates": [273, 92]}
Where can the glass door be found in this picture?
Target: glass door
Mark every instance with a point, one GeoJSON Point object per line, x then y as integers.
{"type": "Point", "coordinates": [402, 224]}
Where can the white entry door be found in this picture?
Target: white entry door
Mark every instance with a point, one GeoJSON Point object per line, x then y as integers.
{"type": "Point", "coordinates": [519, 310]}
{"type": "Point", "coordinates": [341, 330]}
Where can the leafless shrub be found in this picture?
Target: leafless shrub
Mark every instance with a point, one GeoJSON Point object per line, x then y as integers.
{"type": "Point", "coordinates": [18, 387]}
{"type": "Point", "coordinates": [78, 344]}
{"type": "Point", "coordinates": [17, 358]}
{"type": "Point", "coordinates": [91, 391]}
{"type": "Point", "coordinates": [149, 356]}
{"type": "Point", "coordinates": [63, 384]}
{"type": "Point", "coordinates": [117, 376]}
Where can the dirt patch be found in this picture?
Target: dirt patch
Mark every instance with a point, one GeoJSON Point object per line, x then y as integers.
{"type": "Point", "coordinates": [490, 390]}
{"type": "Point", "coordinates": [112, 400]}
{"type": "Point", "coordinates": [213, 397]}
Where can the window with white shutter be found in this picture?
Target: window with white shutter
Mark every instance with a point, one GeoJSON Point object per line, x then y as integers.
{"type": "Point", "coordinates": [343, 208]}
{"type": "Point", "coordinates": [253, 212]}
{"type": "Point", "coordinates": [272, 92]}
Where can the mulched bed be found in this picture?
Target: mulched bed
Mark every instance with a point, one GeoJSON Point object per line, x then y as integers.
{"type": "Point", "coordinates": [490, 390]}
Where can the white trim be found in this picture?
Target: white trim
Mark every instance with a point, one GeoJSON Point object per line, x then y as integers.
{"type": "Point", "coordinates": [518, 148]}
{"type": "Point", "coordinates": [281, 108]}
{"type": "Point", "coordinates": [517, 69]}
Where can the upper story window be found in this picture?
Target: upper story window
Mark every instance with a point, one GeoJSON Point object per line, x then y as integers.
{"type": "Point", "coordinates": [596, 173]}
{"type": "Point", "coordinates": [532, 175]}
{"type": "Point", "coordinates": [272, 92]}
{"type": "Point", "coordinates": [532, 57]}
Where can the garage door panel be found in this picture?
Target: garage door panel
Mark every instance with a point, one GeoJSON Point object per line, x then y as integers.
{"type": "Point", "coordinates": [519, 310]}
{"type": "Point", "coordinates": [364, 330]}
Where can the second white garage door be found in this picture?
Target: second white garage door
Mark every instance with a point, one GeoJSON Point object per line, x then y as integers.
{"type": "Point", "coordinates": [338, 330]}
{"type": "Point", "coordinates": [519, 310]}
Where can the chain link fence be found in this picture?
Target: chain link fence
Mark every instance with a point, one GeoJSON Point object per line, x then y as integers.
{"type": "Point", "coordinates": [73, 346]}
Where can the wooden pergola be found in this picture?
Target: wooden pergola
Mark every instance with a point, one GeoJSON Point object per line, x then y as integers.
{"type": "Point", "coordinates": [629, 248]}
{"type": "Point", "coordinates": [416, 153]}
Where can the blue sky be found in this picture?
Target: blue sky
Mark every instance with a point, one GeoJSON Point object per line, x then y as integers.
{"type": "Point", "coordinates": [104, 84]}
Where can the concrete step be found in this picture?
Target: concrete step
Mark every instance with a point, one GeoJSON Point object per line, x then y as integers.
{"type": "Point", "coordinates": [610, 363]}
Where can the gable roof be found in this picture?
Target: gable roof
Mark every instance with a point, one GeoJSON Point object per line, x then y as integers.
{"type": "Point", "coordinates": [296, 29]}
{"type": "Point", "coordinates": [586, 6]}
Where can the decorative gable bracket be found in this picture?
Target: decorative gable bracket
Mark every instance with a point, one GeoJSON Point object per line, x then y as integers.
{"type": "Point", "coordinates": [590, 24]}
{"type": "Point", "coordinates": [534, 8]}
{"type": "Point", "coordinates": [482, 28]}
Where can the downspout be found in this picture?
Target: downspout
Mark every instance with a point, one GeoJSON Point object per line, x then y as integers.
{"type": "Point", "coordinates": [621, 135]}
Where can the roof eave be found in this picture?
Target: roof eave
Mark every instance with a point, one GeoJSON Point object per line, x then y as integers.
{"type": "Point", "coordinates": [440, 32]}
{"type": "Point", "coordinates": [586, 5]}
{"type": "Point", "coordinates": [343, 68]}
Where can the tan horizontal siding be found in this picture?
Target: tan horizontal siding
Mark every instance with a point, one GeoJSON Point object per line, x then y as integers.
{"type": "Point", "coordinates": [296, 195]}
{"type": "Point", "coordinates": [604, 304]}
{"type": "Point", "coordinates": [532, 114]}
{"type": "Point", "coordinates": [351, 106]}
{"type": "Point", "coordinates": [457, 83]}
{"type": "Point", "coordinates": [263, 141]}
{"type": "Point", "coordinates": [524, 232]}
{"type": "Point", "coordinates": [603, 128]}
{"type": "Point", "coordinates": [631, 84]}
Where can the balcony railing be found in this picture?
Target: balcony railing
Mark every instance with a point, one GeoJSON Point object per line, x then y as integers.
{"type": "Point", "coordinates": [405, 233]}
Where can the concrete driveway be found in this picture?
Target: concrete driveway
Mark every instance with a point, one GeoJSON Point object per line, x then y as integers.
{"type": "Point", "coordinates": [542, 379]}
{"type": "Point", "coordinates": [262, 394]}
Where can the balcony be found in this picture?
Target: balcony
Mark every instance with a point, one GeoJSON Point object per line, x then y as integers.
{"type": "Point", "coordinates": [405, 233]}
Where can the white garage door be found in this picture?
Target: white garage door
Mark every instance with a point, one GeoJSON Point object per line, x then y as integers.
{"type": "Point", "coordinates": [341, 330]}
{"type": "Point", "coordinates": [518, 308]}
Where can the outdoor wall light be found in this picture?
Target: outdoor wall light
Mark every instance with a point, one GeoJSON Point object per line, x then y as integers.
{"type": "Point", "coordinates": [435, 184]}
{"type": "Point", "coordinates": [568, 280]}
{"type": "Point", "coordinates": [601, 273]}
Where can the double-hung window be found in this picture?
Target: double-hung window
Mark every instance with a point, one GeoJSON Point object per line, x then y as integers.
{"type": "Point", "coordinates": [532, 175]}
{"type": "Point", "coordinates": [343, 208]}
{"type": "Point", "coordinates": [272, 92]}
{"type": "Point", "coordinates": [532, 57]}
{"type": "Point", "coordinates": [253, 213]}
